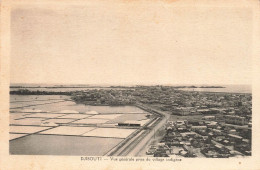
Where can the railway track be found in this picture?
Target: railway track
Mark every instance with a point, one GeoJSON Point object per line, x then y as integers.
{"type": "Point", "coordinates": [134, 144]}
{"type": "Point", "coordinates": [130, 145]}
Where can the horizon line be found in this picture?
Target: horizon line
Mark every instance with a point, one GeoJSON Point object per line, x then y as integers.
{"type": "Point", "coordinates": [130, 84]}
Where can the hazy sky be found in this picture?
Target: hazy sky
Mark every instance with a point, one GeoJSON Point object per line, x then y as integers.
{"type": "Point", "coordinates": [133, 43]}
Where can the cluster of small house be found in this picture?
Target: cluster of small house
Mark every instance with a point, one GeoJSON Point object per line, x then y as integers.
{"type": "Point", "coordinates": [174, 101]}
{"type": "Point", "coordinates": [208, 138]}
{"type": "Point", "coordinates": [185, 103]}
{"type": "Point", "coordinates": [105, 97]}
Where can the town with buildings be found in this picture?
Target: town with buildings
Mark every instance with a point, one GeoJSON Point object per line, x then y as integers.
{"type": "Point", "coordinates": [197, 124]}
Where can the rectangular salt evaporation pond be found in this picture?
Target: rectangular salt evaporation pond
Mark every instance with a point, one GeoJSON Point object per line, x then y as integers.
{"type": "Point", "coordinates": [55, 107]}
{"type": "Point", "coordinates": [18, 105]}
{"type": "Point", "coordinates": [68, 130]}
{"type": "Point", "coordinates": [59, 121]}
{"type": "Point", "coordinates": [128, 117]}
{"type": "Point", "coordinates": [75, 116]}
{"type": "Point", "coordinates": [62, 145]}
{"type": "Point", "coordinates": [90, 121]}
{"type": "Point", "coordinates": [45, 115]}
{"type": "Point", "coordinates": [116, 109]}
{"type": "Point", "coordinates": [110, 132]}
{"type": "Point", "coordinates": [15, 136]}
{"type": "Point", "coordinates": [28, 121]}
{"type": "Point", "coordinates": [69, 105]}
{"type": "Point", "coordinates": [15, 105]}
{"type": "Point", "coordinates": [28, 98]}
{"type": "Point", "coordinates": [26, 110]}
{"type": "Point", "coordinates": [22, 98]}
{"type": "Point", "coordinates": [14, 116]}
{"type": "Point", "coordinates": [27, 129]}
{"type": "Point", "coordinates": [106, 116]}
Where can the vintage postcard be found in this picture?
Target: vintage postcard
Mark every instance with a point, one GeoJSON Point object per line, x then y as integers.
{"type": "Point", "coordinates": [123, 84]}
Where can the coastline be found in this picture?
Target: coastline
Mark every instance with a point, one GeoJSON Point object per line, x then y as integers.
{"type": "Point", "coordinates": [216, 92]}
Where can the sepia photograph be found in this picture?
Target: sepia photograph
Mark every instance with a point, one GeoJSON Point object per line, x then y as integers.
{"type": "Point", "coordinates": [168, 79]}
